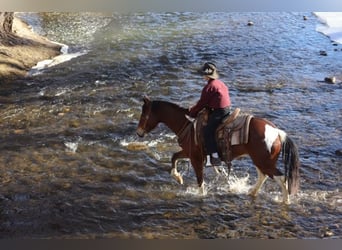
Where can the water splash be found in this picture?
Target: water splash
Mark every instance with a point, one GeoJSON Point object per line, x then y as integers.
{"type": "Point", "coordinates": [221, 185]}
{"type": "Point", "coordinates": [72, 146]}
{"type": "Point", "coordinates": [239, 185]}
{"type": "Point", "coordinates": [196, 191]}
{"type": "Point", "coordinates": [319, 196]}
{"type": "Point", "coordinates": [37, 69]}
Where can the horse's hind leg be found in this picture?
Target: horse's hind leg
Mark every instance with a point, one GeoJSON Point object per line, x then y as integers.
{"type": "Point", "coordinates": [261, 180]}
{"type": "Point", "coordinates": [280, 179]}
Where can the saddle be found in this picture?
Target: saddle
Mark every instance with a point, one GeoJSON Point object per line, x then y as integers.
{"type": "Point", "coordinates": [233, 130]}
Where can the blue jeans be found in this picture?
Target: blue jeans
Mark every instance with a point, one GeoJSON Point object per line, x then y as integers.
{"type": "Point", "coordinates": [215, 118]}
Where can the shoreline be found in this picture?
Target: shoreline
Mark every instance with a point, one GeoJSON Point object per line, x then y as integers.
{"type": "Point", "coordinates": [331, 25]}
{"type": "Point", "coordinates": [26, 49]}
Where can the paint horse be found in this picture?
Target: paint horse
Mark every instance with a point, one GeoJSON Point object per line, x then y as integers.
{"type": "Point", "coordinates": [265, 144]}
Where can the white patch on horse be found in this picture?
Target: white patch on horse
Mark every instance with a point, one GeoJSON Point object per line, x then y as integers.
{"type": "Point", "coordinates": [282, 135]}
{"type": "Point", "coordinates": [271, 134]}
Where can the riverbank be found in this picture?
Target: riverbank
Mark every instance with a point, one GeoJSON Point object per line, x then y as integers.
{"type": "Point", "coordinates": [23, 51]}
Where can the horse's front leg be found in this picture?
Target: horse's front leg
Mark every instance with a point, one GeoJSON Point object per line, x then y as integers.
{"type": "Point", "coordinates": [174, 160]}
{"type": "Point", "coordinates": [198, 165]}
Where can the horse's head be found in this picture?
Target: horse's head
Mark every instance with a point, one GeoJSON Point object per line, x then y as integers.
{"type": "Point", "coordinates": [147, 121]}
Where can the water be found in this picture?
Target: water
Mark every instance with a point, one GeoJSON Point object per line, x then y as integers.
{"type": "Point", "coordinates": [71, 165]}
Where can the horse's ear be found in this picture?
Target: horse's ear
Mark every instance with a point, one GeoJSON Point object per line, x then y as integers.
{"type": "Point", "coordinates": [146, 99]}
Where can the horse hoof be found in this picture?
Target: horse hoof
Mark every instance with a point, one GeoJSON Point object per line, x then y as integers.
{"type": "Point", "coordinates": [177, 176]}
{"type": "Point", "coordinates": [287, 202]}
{"type": "Point", "coordinates": [179, 179]}
{"type": "Point", "coordinates": [252, 193]}
{"type": "Point", "coordinates": [202, 190]}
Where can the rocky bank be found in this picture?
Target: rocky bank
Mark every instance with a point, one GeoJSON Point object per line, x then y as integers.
{"type": "Point", "coordinates": [22, 50]}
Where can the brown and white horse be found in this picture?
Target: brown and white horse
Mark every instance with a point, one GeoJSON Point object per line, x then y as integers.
{"type": "Point", "coordinates": [265, 143]}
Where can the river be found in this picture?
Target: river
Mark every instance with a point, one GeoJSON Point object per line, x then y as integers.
{"type": "Point", "coordinates": [71, 165]}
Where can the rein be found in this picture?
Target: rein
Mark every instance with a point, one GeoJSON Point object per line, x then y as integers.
{"type": "Point", "coordinates": [183, 131]}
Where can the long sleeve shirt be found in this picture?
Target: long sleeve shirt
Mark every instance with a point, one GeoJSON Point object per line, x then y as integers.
{"type": "Point", "coordinates": [215, 94]}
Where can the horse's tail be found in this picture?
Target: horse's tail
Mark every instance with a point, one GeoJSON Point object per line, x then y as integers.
{"type": "Point", "coordinates": [291, 162]}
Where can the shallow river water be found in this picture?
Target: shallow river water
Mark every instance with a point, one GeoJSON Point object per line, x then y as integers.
{"type": "Point", "coordinates": [71, 165]}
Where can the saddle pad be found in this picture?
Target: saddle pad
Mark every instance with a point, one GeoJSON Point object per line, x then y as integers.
{"type": "Point", "coordinates": [240, 129]}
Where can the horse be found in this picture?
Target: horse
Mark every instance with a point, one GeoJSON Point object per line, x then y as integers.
{"type": "Point", "coordinates": [265, 143]}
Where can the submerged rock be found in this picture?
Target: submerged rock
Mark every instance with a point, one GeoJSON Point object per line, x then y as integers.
{"type": "Point", "coordinates": [164, 59]}
{"type": "Point", "coordinates": [338, 152]}
{"type": "Point", "coordinates": [323, 53]}
{"type": "Point", "coordinates": [250, 23]}
{"type": "Point", "coordinates": [331, 79]}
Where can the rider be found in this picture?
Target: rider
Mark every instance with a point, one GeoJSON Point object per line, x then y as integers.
{"type": "Point", "coordinates": [215, 97]}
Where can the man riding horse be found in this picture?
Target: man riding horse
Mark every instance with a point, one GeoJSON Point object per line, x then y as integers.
{"type": "Point", "coordinates": [215, 97]}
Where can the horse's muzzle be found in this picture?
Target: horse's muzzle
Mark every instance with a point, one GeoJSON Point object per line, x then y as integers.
{"type": "Point", "coordinates": [140, 132]}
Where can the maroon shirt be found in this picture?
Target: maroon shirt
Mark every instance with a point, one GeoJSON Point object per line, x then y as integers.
{"type": "Point", "coordinates": [214, 95]}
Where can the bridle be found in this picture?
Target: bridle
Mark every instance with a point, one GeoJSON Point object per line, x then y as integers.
{"type": "Point", "coordinates": [145, 118]}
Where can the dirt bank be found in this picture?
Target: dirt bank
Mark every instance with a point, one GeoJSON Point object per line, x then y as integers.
{"type": "Point", "coordinates": [22, 50]}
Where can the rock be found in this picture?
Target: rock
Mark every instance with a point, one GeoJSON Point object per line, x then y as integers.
{"type": "Point", "coordinates": [305, 18]}
{"type": "Point", "coordinates": [250, 23]}
{"type": "Point", "coordinates": [19, 131]}
{"type": "Point", "coordinates": [330, 79]}
{"type": "Point", "coordinates": [27, 49]}
{"type": "Point", "coordinates": [328, 233]}
{"type": "Point", "coordinates": [74, 124]}
{"type": "Point", "coordinates": [323, 53]}
{"type": "Point", "coordinates": [164, 59]}
{"type": "Point", "coordinates": [338, 152]}
{"type": "Point", "coordinates": [136, 146]}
